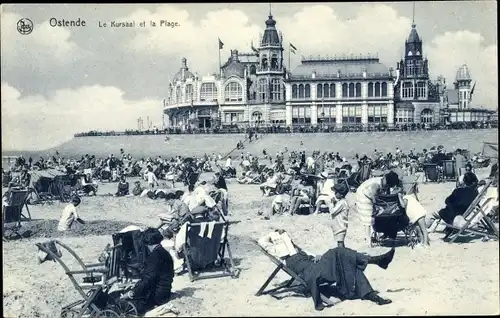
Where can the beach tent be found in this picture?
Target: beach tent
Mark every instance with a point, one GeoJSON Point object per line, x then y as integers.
{"type": "Point", "coordinates": [490, 150]}
{"type": "Point", "coordinates": [48, 181]}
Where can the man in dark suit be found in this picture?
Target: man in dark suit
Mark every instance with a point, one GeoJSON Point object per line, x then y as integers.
{"type": "Point", "coordinates": [154, 287]}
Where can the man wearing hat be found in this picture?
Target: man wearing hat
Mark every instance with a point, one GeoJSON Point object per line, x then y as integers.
{"type": "Point", "coordinates": [339, 212]}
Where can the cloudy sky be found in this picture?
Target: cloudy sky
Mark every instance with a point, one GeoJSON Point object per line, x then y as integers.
{"type": "Point", "coordinates": [59, 81]}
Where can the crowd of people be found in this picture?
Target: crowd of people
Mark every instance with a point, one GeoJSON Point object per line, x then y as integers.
{"type": "Point", "coordinates": [300, 183]}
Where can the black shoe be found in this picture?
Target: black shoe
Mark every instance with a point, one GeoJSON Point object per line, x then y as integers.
{"type": "Point", "coordinates": [319, 307]}
{"type": "Point", "coordinates": [383, 261]}
{"type": "Point", "coordinates": [373, 297]}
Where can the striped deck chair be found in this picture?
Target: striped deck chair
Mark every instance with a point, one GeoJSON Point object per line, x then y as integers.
{"type": "Point", "coordinates": [479, 222]}
{"type": "Point", "coordinates": [205, 251]}
{"type": "Point", "coordinates": [280, 266]}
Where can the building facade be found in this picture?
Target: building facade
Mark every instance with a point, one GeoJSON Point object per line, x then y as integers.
{"type": "Point", "coordinates": [255, 89]}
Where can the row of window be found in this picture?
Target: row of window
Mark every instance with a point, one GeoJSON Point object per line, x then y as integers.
{"type": "Point", "coordinates": [414, 67]}
{"type": "Point", "coordinates": [303, 91]}
{"type": "Point", "coordinates": [409, 90]}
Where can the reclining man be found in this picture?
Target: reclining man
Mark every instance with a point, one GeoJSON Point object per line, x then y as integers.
{"type": "Point", "coordinates": [340, 265]}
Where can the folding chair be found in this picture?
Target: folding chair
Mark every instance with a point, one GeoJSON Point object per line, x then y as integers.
{"type": "Point", "coordinates": [18, 200]}
{"type": "Point", "coordinates": [449, 170]}
{"type": "Point", "coordinates": [431, 173]}
{"type": "Point", "coordinates": [478, 221]}
{"type": "Point", "coordinates": [280, 266]}
{"type": "Point", "coordinates": [205, 251]}
{"type": "Point", "coordinates": [99, 279]}
{"type": "Point", "coordinates": [130, 253]}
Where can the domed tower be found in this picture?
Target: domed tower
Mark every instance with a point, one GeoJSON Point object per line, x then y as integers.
{"type": "Point", "coordinates": [183, 74]}
{"type": "Point", "coordinates": [270, 71]}
{"type": "Point", "coordinates": [462, 84]}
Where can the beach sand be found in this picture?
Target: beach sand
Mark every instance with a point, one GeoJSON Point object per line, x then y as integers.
{"type": "Point", "coordinates": [445, 279]}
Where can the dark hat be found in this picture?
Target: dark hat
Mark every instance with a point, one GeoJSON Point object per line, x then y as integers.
{"type": "Point", "coordinates": [341, 188]}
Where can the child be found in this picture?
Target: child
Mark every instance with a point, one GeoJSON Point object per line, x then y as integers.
{"type": "Point", "coordinates": [151, 178]}
{"type": "Point", "coordinates": [339, 212]}
{"type": "Point", "coordinates": [69, 215]}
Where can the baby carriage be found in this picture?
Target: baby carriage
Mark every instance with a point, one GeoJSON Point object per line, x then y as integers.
{"type": "Point", "coordinates": [390, 219]}
{"type": "Point", "coordinates": [94, 287]}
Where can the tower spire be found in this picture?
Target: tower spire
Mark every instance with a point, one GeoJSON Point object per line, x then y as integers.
{"type": "Point", "coordinates": [270, 12]}
{"type": "Point", "coordinates": [413, 18]}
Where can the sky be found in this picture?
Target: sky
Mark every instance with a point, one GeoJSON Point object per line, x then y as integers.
{"type": "Point", "coordinates": [58, 81]}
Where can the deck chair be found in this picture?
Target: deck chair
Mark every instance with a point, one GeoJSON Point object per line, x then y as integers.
{"type": "Point", "coordinates": [205, 251]}
{"type": "Point", "coordinates": [130, 253]}
{"type": "Point", "coordinates": [98, 280]}
{"type": "Point", "coordinates": [478, 223]}
{"type": "Point", "coordinates": [449, 170]}
{"type": "Point", "coordinates": [431, 173]}
{"type": "Point", "coordinates": [12, 213]}
{"type": "Point", "coordinates": [280, 266]}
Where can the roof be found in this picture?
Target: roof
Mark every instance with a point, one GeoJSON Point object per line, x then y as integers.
{"type": "Point", "coordinates": [452, 95]}
{"type": "Point", "coordinates": [183, 73]}
{"type": "Point", "coordinates": [270, 37]}
{"type": "Point", "coordinates": [463, 74]}
{"type": "Point", "coordinates": [49, 173]}
{"type": "Point", "coordinates": [234, 67]}
{"type": "Point", "coordinates": [328, 68]}
{"type": "Point", "coordinates": [413, 37]}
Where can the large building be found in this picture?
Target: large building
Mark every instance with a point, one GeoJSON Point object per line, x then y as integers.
{"type": "Point", "coordinates": [255, 89]}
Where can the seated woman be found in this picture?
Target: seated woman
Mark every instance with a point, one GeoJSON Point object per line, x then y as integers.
{"type": "Point", "coordinates": [89, 186]}
{"type": "Point", "coordinates": [457, 203]}
{"type": "Point", "coordinates": [341, 266]}
{"type": "Point", "coordinates": [270, 184]}
{"type": "Point", "coordinates": [123, 187]}
{"type": "Point", "coordinates": [468, 169]}
{"type": "Point", "coordinates": [247, 177]}
{"type": "Point", "coordinates": [301, 194]}
{"type": "Point", "coordinates": [326, 192]}
{"type": "Point", "coordinates": [154, 287]}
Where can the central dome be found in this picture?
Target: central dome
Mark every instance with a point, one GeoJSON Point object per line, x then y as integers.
{"type": "Point", "coordinates": [271, 37]}
{"type": "Point", "coordinates": [183, 73]}
{"type": "Point", "coordinates": [463, 74]}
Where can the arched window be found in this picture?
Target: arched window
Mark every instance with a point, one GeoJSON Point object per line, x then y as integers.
{"type": "Point", "coordinates": [332, 90]}
{"type": "Point", "coordinates": [370, 89]}
{"type": "Point", "coordinates": [189, 92]}
{"type": "Point", "coordinates": [326, 91]}
{"type": "Point", "coordinates": [358, 89]}
{"type": "Point", "coordinates": [264, 62]}
{"type": "Point", "coordinates": [319, 92]}
{"type": "Point", "coordinates": [256, 116]}
{"type": "Point", "coordinates": [178, 95]}
{"type": "Point", "coordinates": [351, 90]}
{"type": "Point", "coordinates": [233, 92]}
{"type": "Point", "coordinates": [253, 70]}
{"type": "Point", "coordinates": [384, 89]}
{"type": "Point", "coordinates": [377, 89]}
{"type": "Point", "coordinates": [344, 90]}
{"type": "Point", "coordinates": [426, 116]}
{"type": "Point", "coordinates": [275, 89]}
{"type": "Point", "coordinates": [263, 89]}
{"type": "Point", "coordinates": [294, 91]}
{"type": "Point", "coordinates": [301, 91]}
{"type": "Point", "coordinates": [307, 91]}
{"type": "Point", "coordinates": [408, 90]}
{"type": "Point", "coordinates": [274, 62]}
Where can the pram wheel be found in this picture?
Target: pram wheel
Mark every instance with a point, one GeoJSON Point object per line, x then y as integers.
{"type": "Point", "coordinates": [125, 308]}
{"type": "Point", "coordinates": [414, 235]}
{"type": "Point", "coordinates": [107, 313]}
{"type": "Point", "coordinates": [69, 313]}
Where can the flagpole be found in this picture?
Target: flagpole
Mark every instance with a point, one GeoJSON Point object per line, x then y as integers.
{"type": "Point", "coordinates": [220, 67]}
{"type": "Point", "coordinates": [289, 54]}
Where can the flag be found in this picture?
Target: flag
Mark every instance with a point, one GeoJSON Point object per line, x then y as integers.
{"type": "Point", "coordinates": [221, 45]}
{"type": "Point", "coordinates": [253, 48]}
{"type": "Point", "coordinates": [472, 90]}
{"type": "Point", "coordinates": [293, 49]}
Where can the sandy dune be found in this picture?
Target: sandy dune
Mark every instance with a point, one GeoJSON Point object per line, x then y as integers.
{"type": "Point", "coordinates": [455, 279]}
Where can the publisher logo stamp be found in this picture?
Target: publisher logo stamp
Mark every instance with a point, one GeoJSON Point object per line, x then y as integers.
{"type": "Point", "coordinates": [25, 26]}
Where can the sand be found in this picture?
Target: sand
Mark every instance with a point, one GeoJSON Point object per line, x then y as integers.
{"type": "Point", "coordinates": [452, 279]}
